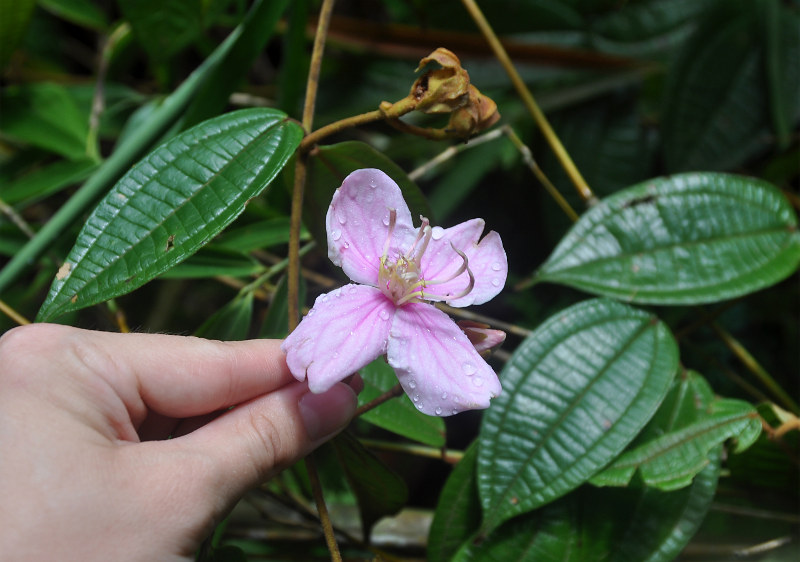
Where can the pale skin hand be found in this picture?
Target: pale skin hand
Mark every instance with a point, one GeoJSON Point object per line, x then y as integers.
{"type": "Point", "coordinates": [86, 472]}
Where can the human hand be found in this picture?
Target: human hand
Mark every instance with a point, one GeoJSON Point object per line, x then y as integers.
{"type": "Point", "coordinates": [86, 469]}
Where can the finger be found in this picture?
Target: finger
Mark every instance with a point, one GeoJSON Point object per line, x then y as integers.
{"type": "Point", "coordinates": [177, 376]}
{"type": "Point", "coordinates": [254, 441]}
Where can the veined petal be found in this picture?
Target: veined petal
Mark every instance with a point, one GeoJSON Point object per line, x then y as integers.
{"type": "Point", "coordinates": [358, 224]}
{"type": "Point", "coordinates": [436, 363]}
{"type": "Point", "coordinates": [487, 262]}
{"type": "Point", "coordinates": [346, 329]}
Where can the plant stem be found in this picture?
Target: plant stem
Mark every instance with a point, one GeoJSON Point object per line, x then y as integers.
{"type": "Point", "coordinates": [13, 314]}
{"type": "Point", "coordinates": [312, 85]}
{"type": "Point", "coordinates": [527, 157]}
{"type": "Point", "coordinates": [450, 456]}
{"type": "Point", "coordinates": [527, 98]}
{"type": "Point", "coordinates": [755, 367]}
{"type": "Point", "coordinates": [396, 390]}
{"type": "Point", "coordinates": [311, 139]}
{"type": "Point", "coordinates": [293, 273]}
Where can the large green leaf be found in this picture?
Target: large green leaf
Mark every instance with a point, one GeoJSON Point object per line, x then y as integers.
{"type": "Point", "coordinates": [458, 511]}
{"type": "Point", "coordinates": [46, 181]}
{"type": "Point", "coordinates": [327, 168]}
{"type": "Point", "coordinates": [575, 393]}
{"type": "Point", "coordinates": [683, 239]}
{"type": "Point", "coordinates": [671, 461]}
{"type": "Point", "coordinates": [398, 415]}
{"type": "Point", "coordinates": [170, 204]}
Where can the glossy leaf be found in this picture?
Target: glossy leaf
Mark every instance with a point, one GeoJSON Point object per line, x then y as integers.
{"type": "Point", "coordinates": [231, 322]}
{"type": "Point", "coordinates": [575, 393]}
{"type": "Point", "coordinates": [327, 168]}
{"type": "Point", "coordinates": [379, 490]}
{"type": "Point", "coordinates": [398, 415]}
{"type": "Point", "coordinates": [172, 203]}
{"type": "Point", "coordinates": [683, 239]}
{"type": "Point", "coordinates": [458, 510]}
{"type": "Point", "coordinates": [670, 461]}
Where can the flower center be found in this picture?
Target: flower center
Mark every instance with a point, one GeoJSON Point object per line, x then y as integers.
{"type": "Point", "coordinates": [403, 280]}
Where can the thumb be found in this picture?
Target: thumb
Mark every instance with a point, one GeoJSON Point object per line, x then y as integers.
{"type": "Point", "coordinates": [257, 439]}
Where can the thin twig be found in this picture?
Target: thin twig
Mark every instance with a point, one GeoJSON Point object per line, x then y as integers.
{"type": "Point", "coordinates": [396, 390]}
{"type": "Point", "coordinates": [451, 151]}
{"type": "Point", "coordinates": [322, 509]}
{"type": "Point", "coordinates": [755, 367]}
{"type": "Point", "coordinates": [527, 98]}
{"type": "Point", "coordinates": [450, 456]}
{"type": "Point", "coordinates": [13, 314]}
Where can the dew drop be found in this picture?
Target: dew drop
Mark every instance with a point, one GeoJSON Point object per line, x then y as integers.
{"type": "Point", "coordinates": [469, 368]}
{"type": "Point", "coordinates": [352, 289]}
{"type": "Point", "coordinates": [311, 312]}
{"type": "Point", "coordinates": [338, 294]}
{"type": "Point", "coordinates": [454, 412]}
{"type": "Point", "coordinates": [384, 314]}
{"type": "Point", "coordinates": [347, 245]}
{"type": "Point", "coordinates": [342, 219]}
{"type": "Point", "coordinates": [420, 405]}
{"type": "Point", "coordinates": [336, 234]}
{"type": "Point", "coordinates": [495, 282]}
{"type": "Point", "coordinates": [478, 381]}
{"type": "Point", "coordinates": [412, 384]}
{"type": "Point", "coordinates": [438, 411]}
{"type": "Point", "coordinates": [497, 266]}
{"type": "Point", "coordinates": [437, 232]}
{"type": "Point", "coordinates": [324, 298]}
{"type": "Point", "coordinates": [416, 398]}
{"type": "Point", "coordinates": [335, 354]}
{"type": "Point", "coordinates": [373, 183]}
{"type": "Point", "coordinates": [444, 396]}
{"type": "Point", "coordinates": [386, 220]}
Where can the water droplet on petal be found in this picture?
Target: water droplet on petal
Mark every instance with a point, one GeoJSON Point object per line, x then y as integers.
{"type": "Point", "coordinates": [454, 412]}
{"type": "Point", "coordinates": [437, 232]}
{"type": "Point", "coordinates": [373, 183]}
{"type": "Point", "coordinates": [352, 289]}
{"type": "Point", "coordinates": [420, 405]}
{"type": "Point", "coordinates": [342, 218]}
{"type": "Point", "coordinates": [438, 411]}
{"type": "Point", "coordinates": [384, 314]}
{"type": "Point", "coordinates": [497, 266]}
{"type": "Point", "coordinates": [335, 354]}
{"type": "Point", "coordinates": [311, 312]}
{"type": "Point", "coordinates": [324, 298]}
{"type": "Point", "coordinates": [416, 398]}
{"type": "Point", "coordinates": [469, 368]}
{"type": "Point", "coordinates": [347, 245]}
{"type": "Point", "coordinates": [478, 381]}
{"type": "Point", "coordinates": [336, 234]}
{"type": "Point", "coordinates": [412, 384]}
{"type": "Point", "coordinates": [495, 282]}
{"type": "Point", "coordinates": [386, 220]}
{"type": "Point", "coordinates": [444, 396]}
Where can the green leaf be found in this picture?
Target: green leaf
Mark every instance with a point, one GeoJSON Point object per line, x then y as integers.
{"type": "Point", "coordinates": [231, 322]}
{"type": "Point", "coordinates": [211, 261]}
{"type": "Point", "coordinates": [80, 12]}
{"type": "Point", "coordinates": [172, 203]}
{"type": "Point", "coordinates": [575, 393]}
{"type": "Point", "coordinates": [46, 181]}
{"type": "Point", "coordinates": [683, 239]}
{"type": "Point", "coordinates": [672, 460]}
{"type": "Point", "coordinates": [327, 168]}
{"type": "Point", "coordinates": [378, 489]}
{"type": "Point", "coordinates": [398, 415]}
{"type": "Point", "coordinates": [458, 510]}
{"type": "Point", "coordinates": [47, 116]}
{"type": "Point", "coordinates": [163, 28]}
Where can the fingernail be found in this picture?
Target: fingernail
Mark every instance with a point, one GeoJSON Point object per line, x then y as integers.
{"type": "Point", "coordinates": [327, 413]}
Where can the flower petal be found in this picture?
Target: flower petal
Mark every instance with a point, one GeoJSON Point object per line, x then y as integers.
{"type": "Point", "coordinates": [346, 329]}
{"type": "Point", "coordinates": [487, 262]}
{"type": "Point", "coordinates": [358, 223]}
{"type": "Point", "coordinates": [436, 363]}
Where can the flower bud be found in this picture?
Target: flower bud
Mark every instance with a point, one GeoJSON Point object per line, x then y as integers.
{"type": "Point", "coordinates": [483, 338]}
{"type": "Point", "coordinates": [478, 114]}
{"type": "Point", "coordinates": [444, 89]}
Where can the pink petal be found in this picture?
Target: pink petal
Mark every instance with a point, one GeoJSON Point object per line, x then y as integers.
{"type": "Point", "coordinates": [487, 261]}
{"type": "Point", "coordinates": [346, 329]}
{"type": "Point", "coordinates": [358, 223]}
{"type": "Point", "coordinates": [436, 363]}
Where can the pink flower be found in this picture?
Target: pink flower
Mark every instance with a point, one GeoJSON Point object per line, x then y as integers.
{"type": "Point", "coordinates": [400, 270]}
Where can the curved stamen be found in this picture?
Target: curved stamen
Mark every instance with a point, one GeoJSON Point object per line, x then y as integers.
{"type": "Point", "coordinates": [392, 223]}
{"type": "Point", "coordinates": [464, 267]}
